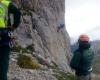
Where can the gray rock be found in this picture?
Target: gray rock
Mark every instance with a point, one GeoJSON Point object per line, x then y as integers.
{"type": "Point", "coordinates": [40, 26]}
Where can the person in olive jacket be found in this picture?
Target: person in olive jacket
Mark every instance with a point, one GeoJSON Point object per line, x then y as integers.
{"type": "Point", "coordinates": [6, 8]}
{"type": "Point", "coordinates": [82, 59]}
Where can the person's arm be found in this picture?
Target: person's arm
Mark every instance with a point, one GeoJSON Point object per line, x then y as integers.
{"type": "Point", "coordinates": [75, 61]}
{"type": "Point", "coordinates": [12, 9]}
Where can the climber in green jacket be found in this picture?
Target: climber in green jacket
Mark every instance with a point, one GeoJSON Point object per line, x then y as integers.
{"type": "Point", "coordinates": [6, 8]}
{"type": "Point", "coordinates": [82, 59]}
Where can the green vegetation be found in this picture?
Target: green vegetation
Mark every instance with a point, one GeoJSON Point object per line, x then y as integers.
{"type": "Point", "coordinates": [30, 48]}
{"type": "Point", "coordinates": [61, 75]}
{"type": "Point", "coordinates": [19, 49]}
{"type": "Point", "coordinates": [26, 61]}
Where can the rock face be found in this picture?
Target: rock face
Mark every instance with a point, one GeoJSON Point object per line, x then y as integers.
{"type": "Point", "coordinates": [17, 73]}
{"type": "Point", "coordinates": [41, 26]}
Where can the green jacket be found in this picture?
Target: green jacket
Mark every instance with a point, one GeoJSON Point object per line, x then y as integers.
{"type": "Point", "coordinates": [82, 61]}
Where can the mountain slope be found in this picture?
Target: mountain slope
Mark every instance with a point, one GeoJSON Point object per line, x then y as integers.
{"type": "Point", "coordinates": [96, 49]}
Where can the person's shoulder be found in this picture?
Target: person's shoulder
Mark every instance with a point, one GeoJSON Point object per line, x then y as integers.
{"type": "Point", "coordinates": [90, 50]}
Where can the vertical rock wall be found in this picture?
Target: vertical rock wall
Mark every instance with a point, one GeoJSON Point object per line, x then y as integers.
{"type": "Point", "coordinates": [41, 26]}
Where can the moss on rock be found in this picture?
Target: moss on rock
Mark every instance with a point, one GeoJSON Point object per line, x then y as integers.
{"type": "Point", "coordinates": [26, 61]}
{"type": "Point", "coordinates": [28, 49]}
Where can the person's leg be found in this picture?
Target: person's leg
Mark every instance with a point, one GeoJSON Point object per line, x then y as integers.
{"type": "Point", "coordinates": [4, 62]}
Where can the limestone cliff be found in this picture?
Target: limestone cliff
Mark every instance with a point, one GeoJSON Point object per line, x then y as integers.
{"type": "Point", "coordinates": [40, 25]}
{"type": "Point", "coordinates": [43, 26]}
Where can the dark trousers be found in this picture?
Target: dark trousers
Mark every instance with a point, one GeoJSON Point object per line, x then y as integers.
{"type": "Point", "coordinates": [4, 61]}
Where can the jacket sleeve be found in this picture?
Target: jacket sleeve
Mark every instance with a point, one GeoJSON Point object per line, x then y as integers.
{"type": "Point", "coordinates": [75, 61]}
{"type": "Point", "coordinates": [12, 9]}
